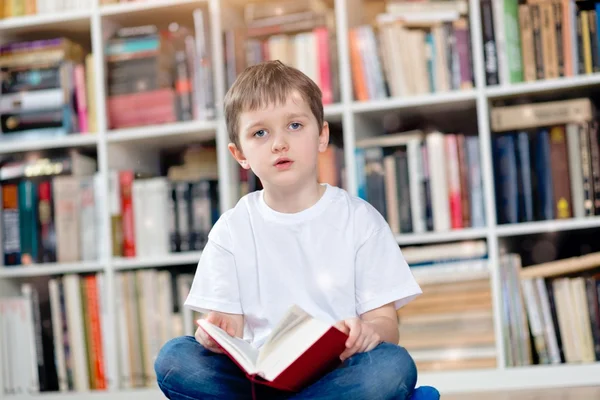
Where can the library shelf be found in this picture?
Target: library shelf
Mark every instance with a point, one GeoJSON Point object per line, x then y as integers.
{"type": "Point", "coordinates": [439, 237]}
{"type": "Point", "coordinates": [528, 228]}
{"type": "Point", "coordinates": [35, 270]}
{"type": "Point", "coordinates": [122, 263]}
{"type": "Point", "coordinates": [73, 140]}
{"type": "Point", "coordinates": [333, 111]}
{"type": "Point", "coordinates": [195, 130]}
{"type": "Point", "coordinates": [545, 85]}
{"type": "Point", "coordinates": [156, 6]}
{"type": "Point", "coordinates": [77, 20]}
{"type": "Point", "coordinates": [451, 98]}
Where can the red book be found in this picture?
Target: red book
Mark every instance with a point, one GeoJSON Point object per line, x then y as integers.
{"type": "Point", "coordinates": [299, 351]}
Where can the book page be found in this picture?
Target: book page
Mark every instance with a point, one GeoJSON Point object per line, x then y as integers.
{"type": "Point", "coordinates": [239, 349]}
{"type": "Point", "coordinates": [291, 346]}
{"type": "Point", "coordinates": [294, 318]}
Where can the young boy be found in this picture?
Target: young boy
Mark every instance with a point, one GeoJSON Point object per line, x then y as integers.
{"type": "Point", "coordinates": [294, 242]}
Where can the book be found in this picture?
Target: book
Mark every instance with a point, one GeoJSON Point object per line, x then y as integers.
{"type": "Point", "coordinates": [299, 351]}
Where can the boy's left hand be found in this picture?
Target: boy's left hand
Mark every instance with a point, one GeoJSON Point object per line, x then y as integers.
{"type": "Point", "coordinates": [362, 336]}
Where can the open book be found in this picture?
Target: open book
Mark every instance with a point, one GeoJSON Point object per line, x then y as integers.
{"type": "Point", "coordinates": [300, 350]}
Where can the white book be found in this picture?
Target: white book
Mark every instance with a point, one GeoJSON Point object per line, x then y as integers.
{"type": "Point", "coordinates": [140, 215]}
{"type": "Point", "coordinates": [31, 354]}
{"type": "Point", "coordinates": [415, 183]}
{"type": "Point", "coordinates": [122, 337]}
{"type": "Point", "coordinates": [436, 155]}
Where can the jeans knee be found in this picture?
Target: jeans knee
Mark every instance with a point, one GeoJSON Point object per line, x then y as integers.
{"type": "Point", "coordinates": [171, 355]}
{"type": "Point", "coordinates": [400, 368]}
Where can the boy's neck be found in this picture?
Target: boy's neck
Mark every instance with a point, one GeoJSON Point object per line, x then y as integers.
{"type": "Point", "coordinates": [293, 200]}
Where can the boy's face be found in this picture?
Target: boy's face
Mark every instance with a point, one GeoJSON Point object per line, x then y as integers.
{"type": "Point", "coordinates": [281, 143]}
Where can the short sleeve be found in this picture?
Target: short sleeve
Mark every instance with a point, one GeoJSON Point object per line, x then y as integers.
{"type": "Point", "coordinates": [215, 285]}
{"type": "Point", "coordinates": [382, 274]}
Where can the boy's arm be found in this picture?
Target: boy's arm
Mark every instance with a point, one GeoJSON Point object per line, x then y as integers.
{"type": "Point", "coordinates": [384, 321]}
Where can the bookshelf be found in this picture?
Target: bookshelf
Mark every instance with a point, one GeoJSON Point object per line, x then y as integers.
{"type": "Point", "coordinates": [359, 120]}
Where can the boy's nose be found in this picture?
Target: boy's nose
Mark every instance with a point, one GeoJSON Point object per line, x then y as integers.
{"type": "Point", "coordinates": [280, 144]}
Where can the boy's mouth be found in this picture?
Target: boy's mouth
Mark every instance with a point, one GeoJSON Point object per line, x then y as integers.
{"type": "Point", "coordinates": [283, 163]}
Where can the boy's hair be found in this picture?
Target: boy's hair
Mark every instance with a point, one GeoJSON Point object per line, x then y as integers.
{"type": "Point", "coordinates": [269, 82]}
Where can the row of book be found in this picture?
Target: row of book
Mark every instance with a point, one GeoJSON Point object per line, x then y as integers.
{"type": "Point", "coordinates": [422, 181]}
{"type": "Point", "coordinates": [551, 311]}
{"type": "Point", "coordinates": [50, 210]}
{"type": "Point", "coordinates": [451, 325]}
{"type": "Point", "coordinates": [546, 160]}
{"type": "Point", "coordinates": [54, 336]}
{"type": "Point", "coordinates": [300, 34]}
{"type": "Point", "coordinates": [153, 216]}
{"type": "Point", "coordinates": [22, 8]}
{"type": "Point", "coordinates": [534, 40]}
{"type": "Point", "coordinates": [46, 89]}
{"type": "Point", "coordinates": [416, 48]}
{"type": "Point", "coordinates": [157, 215]}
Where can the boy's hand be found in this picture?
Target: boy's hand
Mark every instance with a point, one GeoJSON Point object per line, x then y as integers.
{"type": "Point", "coordinates": [228, 324]}
{"type": "Point", "coordinates": [362, 336]}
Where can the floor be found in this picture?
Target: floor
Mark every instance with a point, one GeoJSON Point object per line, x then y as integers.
{"type": "Point", "coordinates": [580, 393]}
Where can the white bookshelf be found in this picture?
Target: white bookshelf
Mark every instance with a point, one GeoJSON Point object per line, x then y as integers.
{"type": "Point", "coordinates": [357, 120]}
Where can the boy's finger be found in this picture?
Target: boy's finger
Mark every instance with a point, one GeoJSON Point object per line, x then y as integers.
{"type": "Point", "coordinates": [354, 333]}
{"type": "Point", "coordinates": [341, 326]}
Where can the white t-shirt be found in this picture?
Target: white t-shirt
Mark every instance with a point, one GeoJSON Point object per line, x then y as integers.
{"type": "Point", "coordinates": [336, 260]}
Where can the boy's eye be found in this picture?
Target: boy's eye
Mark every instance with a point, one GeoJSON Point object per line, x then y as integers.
{"type": "Point", "coordinates": [295, 125]}
{"type": "Point", "coordinates": [260, 133]}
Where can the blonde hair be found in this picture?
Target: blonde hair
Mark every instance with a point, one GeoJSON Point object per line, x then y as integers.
{"type": "Point", "coordinates": [269, 82]}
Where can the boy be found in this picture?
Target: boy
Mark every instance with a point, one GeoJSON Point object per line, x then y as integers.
{"type": "Point", "coordinates": [294, 242]}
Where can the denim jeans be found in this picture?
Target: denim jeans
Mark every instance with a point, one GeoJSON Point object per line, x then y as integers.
{"type": "Point", "coordinates": [185, 370]}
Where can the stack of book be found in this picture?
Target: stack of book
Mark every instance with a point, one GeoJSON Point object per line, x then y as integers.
{"type": "Point", "coordinates": [451, 325]}
{"type": "Point", "coordinates": [422, 181]}
{"type": "Point", "coordinates": [159, 76]}
{"type": "Point", "coordinates": [415, 48]}
{"type": "Point", "coordinates": [158, 215]}
{"type": "Point", "coordinates": [298, 33]}
{"type": "Point", "coordinates": [50, 209]}
{"type": "Point", "coordinates": [45, 90]}
{"type": "Point", "coordinates": [551, 311]}
{"type": "Point", "coordinates": [55, 332]}
{"type": "Point", "coordinates": [534, 40]}
{"type": "Point", "coordinates": [546, 160]}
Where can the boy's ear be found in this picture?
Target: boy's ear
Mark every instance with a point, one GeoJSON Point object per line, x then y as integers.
{"type": "Point", "coordinates": [238, 155]}
{"type": "Point", "coordinates": [324, 137]}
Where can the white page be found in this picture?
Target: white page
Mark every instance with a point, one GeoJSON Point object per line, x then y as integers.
{"type": "Point", "coordinates": [241, 350]}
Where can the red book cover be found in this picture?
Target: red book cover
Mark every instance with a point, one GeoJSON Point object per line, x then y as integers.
{"type": "Point", "coordinates": [126, 182]}
{"type": "Point", "coordinates": [310, 359]}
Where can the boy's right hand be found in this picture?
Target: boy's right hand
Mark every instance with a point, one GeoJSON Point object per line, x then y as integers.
{"type": "Point", "coordinates": [225, 322]}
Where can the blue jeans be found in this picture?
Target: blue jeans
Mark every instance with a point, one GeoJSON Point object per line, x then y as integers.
{"type": "Point", "coordinates": [185, 370]}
